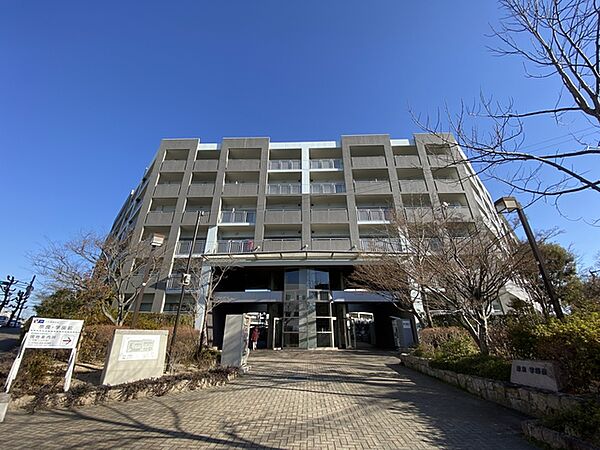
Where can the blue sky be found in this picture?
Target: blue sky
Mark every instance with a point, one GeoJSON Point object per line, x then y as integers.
{"type": "Point", "coordinates": [88, 89]}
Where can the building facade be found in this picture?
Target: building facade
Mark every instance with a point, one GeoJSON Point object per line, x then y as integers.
{"type": "Point", "coordinates": [294, 218]}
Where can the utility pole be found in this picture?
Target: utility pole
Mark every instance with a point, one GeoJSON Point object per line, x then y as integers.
{"type": "Point", "coordinates": [7, 290]}
{"type": "Point", "coordinates": [22, 297]}
{"type": "Point", "coordinates": [185, 281]}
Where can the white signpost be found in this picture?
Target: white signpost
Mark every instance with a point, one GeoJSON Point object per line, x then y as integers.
{"type": "Point", "coordinates": [49, 334]}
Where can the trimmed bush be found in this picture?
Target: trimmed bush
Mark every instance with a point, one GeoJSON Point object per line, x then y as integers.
{"type": "Point", "coordinates": [574, 343]}
{"type": "Point", "coordinates": [445, 342]}
{"type": "Point", "coordinates": [485, 366]}
{"type": "Point", "coordinates": [582, 421]}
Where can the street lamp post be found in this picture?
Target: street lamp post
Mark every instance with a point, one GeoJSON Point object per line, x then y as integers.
{"type": "Point", "coordinates": [155, 242]}
{"type": "Point", "coordinates": [510, 204]}
{"type": "Point", "coordinates": [185, 281]}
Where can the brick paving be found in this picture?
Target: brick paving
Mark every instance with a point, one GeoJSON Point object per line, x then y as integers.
{"type": "Point", "coordinates": [296, 400]}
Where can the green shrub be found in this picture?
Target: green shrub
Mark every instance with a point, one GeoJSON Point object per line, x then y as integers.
{"type": "Point", "coordinates": [582, 421]}
{"type": "Point", "coordinates": [485, 366]}
{"type": "Point", "coordinates": [445, 342]}
{"type": "Point", "coordinates": [574, 343]}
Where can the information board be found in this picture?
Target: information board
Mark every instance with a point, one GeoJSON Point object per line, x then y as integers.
{"type": "Point", "coordinates": [53, 333]}
{"type": "Point", "coordinates": [138, 347]}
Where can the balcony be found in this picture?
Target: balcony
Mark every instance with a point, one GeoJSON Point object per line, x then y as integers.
{"type": "Point", "coordinates": [283, 216]}
{"type": "Point", "coordinates": [189, 218]}
{"type": "Point", "coordinates": [240, 189]}
{"type": "Point", "coordinates": [284, 188]}
{"type": "Point", "coordinates": [201, 190]}
{"type": "Point", "coordinates": [326, 164]}
{"type": "Point", "coordinates": [448, 185]}
{"type": "Point", "coordinates": [248, 297]}
{"type": "Point", "coordinates": [407, 161]}
{"type": "Point", "coordinates": [440, 160]}
{"type": "Point", "coordinates": [183, 247]}
{"type": "Point", "coordinates": [368, 162]}
{"type": "Point", "coordinates": [413, 186]}
{"type": "Point", "coordinates": [327, 188]}
{"type": "Point", "coordinates": [281, 245]}
{"type": "Point", "coordinates": [342, 244]}
{"type": "Point", "coordinates": [372, 187]}
{"type": "Point", "coordinates": [167, 190]}
{"type": "Point", "coordinates": [329, 215]}
{"type": "Point", "coordinates": [285, 164]}
{"type": "Point", "coordinates": [235, 246]}
{"type": "Point", "coordinates": [238, 216]}
{"type": "Point", "coordinates": [243, 165]}
{"type": "Point", "coordinates": [374, 214]}
{"type": "Point", "coordinates": [206, 165]}
{"type": "Point", "coordinates": [381, 245]}
{"type": "Point", "coordinates": [418, 213]}
{"type": "Point", "coordinates": [173, 165]}
{"type": "Point", "coordinates": [159, 218]}
{"type": "Point", "coordinates": [458, 212]}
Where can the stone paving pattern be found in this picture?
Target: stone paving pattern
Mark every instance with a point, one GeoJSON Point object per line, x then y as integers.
{"type": "Point", "coordinates": [296, 400]}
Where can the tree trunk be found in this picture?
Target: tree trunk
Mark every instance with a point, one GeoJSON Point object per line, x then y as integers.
{"type": "Point", "coordinates": [425, 302]}
{"type": "Point", "coordinates": [484, 337]}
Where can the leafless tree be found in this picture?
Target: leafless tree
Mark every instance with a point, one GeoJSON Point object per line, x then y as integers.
{"type": "Point", "coordinates": [556, 39]}
{"type": "Point", "coordinates": [461, 266]}
{"type": "Point", "coordinates": [206, 277]}
{"type": "Point", "coordinates": [106, 269]}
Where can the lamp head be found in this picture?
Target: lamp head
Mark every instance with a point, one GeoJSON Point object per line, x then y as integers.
{"type": "Point", "coordinates": [506, 204]}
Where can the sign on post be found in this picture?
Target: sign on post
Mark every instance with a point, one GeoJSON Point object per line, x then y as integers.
{"type": "Point", "coordinates": [53, 334]}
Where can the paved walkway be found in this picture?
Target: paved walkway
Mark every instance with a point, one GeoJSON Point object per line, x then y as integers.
{"type": "Point", "coordinates": [308, 400]}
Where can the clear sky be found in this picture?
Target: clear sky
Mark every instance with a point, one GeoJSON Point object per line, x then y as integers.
{"type": "Point", "coordinates": [88, 89]}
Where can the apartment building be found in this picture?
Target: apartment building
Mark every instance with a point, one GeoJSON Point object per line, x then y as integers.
{"type": "Point", "coordinates": [295, 218]}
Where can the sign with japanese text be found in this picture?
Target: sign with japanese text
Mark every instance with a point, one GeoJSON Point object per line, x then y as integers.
{"type": "Point", "coordinates": [53, 333]}
{"type": "Point", "coordinates": [139, 347]}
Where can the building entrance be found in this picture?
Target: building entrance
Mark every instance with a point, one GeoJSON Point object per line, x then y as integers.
{"type": "Point", "coordinates": [308, 320]}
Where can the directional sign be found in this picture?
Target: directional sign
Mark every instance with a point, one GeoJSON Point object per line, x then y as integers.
{"type": "Point", "coordinates": [53, 333]}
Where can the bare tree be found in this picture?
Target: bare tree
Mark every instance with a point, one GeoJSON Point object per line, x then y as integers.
{"type": "Point", "coordinates": [205, 278]}
{"type": "Point", "coordinates": [461, 266]}
{"type": "Point", "coordinates": [556, 39]}
{"type": "Point", "coordinates": [106, 269]}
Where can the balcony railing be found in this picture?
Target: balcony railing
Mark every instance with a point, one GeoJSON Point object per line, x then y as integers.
{"type": "Point", "coordinates": [448, 185]}
{"type": "Point", "coordinates": [382, 244]}
{"type": "Point", "coordinates": [174, 283]}
{"type": "Point", "coordinates": [189, 217]}
{"type": "Point", "coordinates": [183, 247]}
{"type": "Point", "coordinates": [374, 214]}
{"type": "Point", "coordinates": [173, 165]}
{"type": "Point", "coordinates": [327, 188]}
{"type": "Point", "coordinates": [201, 165]}
{"type": "Point", "coordinates": [332, 163]}
{"type": "Point", "coordinates": [372, 186]}
{"type": "Point", "coordinates": [283, 216]}
{"type": "Point", "coordinates": [331, 244]}
{"type": "Point", "coordinates": [235, 246]}
{"type": "Point", "coordinates": [240, 189]}
{"type": "Point", "coordinates": [159, 218]}
{"type": "Point", "coordinates": [243, 164]}
{"type": "Point", "coordinates": [167, 190]}
{"type": "Point", "coordinates": [458, 212]}
{"type": "Point", "coordinates": [329, 215]}
{"type": "Point", "coordinates": [284, 188]}
{"type": "Point", "coordinates": [201, 189]}
{"type": "Point", "coordinates": [407, 161]}
{"type": "Point", "coordinates": [418, 213]}
{"type": "Point", "coordinates": [239, 216]}
{"type": "Point", "coordinates": [413, 186]}
{"type": "Point", "coordinates": [285, 164]}
{"type": "Point", "coordinates": [275, 245]}
{"type": "Point", "coordinates": [368, 162]}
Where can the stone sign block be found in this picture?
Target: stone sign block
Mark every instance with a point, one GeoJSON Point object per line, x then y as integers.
{"type": "Point", "coordinates": [135, 355]}
{"type": "Point", "coordinates": [537, 374]}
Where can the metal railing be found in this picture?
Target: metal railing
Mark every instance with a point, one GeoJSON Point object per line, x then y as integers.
{"type": "Point", "coordinates": [284, 188]}
{"type": "Point", "coordinates": [283, 244]}
{"type": "Point", "coordinates": [381, 244]}
{"type": "Point", "coordinates": [282, 215]}
{"type": "Point", "coordinates": [174, 283]}
{"type": "Point", "coordinates": [238, 216]}
{"type": "Point", "coordinates": [285, 164]}
{"type": "Point", "coordinates": [183, 247]}
{"type": "Point", "coordinates": [327, 188]}
{"type": "Point", "coordinates": [329, 215]}
{"type": "Point", "coordinates": [371, 186]}
{"type": "Point", "coordinates": [374, 214]}
{"type": "Point", "coordinates": [332, 163]}
{"type": "Point", "coordinates": [331, 244]}
{"type": "Point", "coordinates": [235, 246]}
